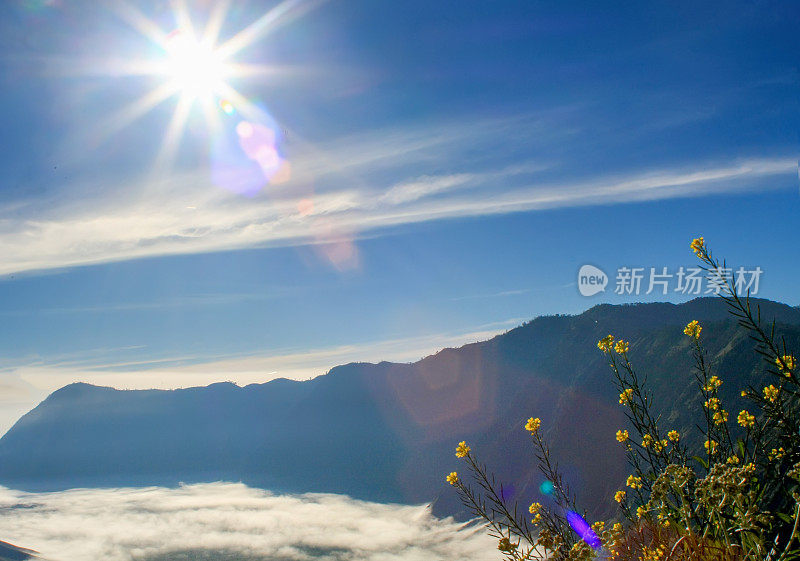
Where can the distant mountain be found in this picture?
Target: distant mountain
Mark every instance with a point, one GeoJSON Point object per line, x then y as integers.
{"type": "Point", "coordinates": [386, 431]}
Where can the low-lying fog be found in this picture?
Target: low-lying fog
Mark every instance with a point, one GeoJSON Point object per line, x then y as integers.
{"type": "Point", "coordinates": [228, 521]}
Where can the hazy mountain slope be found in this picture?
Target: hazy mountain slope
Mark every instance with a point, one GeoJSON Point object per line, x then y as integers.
{"type": "Point", "coordinates": [387, 431]}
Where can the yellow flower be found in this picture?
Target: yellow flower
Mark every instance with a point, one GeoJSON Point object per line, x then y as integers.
{"type": "Point", "coordinates": [621, 347]}
{"type": "Point", "coordinates": [654, 554]}
{"type": "Point", "coordinates": [720, 417]}
{"type": "Point", "coordinates": [606, 343]}
{"type": "Point", "coordinates": [506, 545]}
{"type": "Point", "coordinates": [622, 435]}
{"type": "Point", "coordinates": [711, 446]}
{"type": "Point", "coordinates": [647, 440]}
{"type": "Point", "coordinates": [452, 479]}
{"type": "Point", "coordinates": [712, 403]}
{"type": "Point", "coordinates": [634, 482]}
{"type": "Point", "coordinates": [746, 419]}
{"type": "Point", "coordinates": [771, 393]}
{"type": "Point", "coordinates": [713, 384]}
{"type": "Point", "coordinates": [462, 449]}
{"type": "Point", "coordinates": [533, 425]}
{"type": "Point", "coordinates": [536, 519]}
{"type": "Point", "coordinates": [777, 453]}
{"type": "Point", "coordinates": [619, 496]}
{"type": "Point", "coordinates": [733, 460]}
{"type": "Point", "coordinates": [535, 508]}
{"type": "Point", "coordinates": [673, 435]}
{"type": "Point", "coordinates": [640, 511]}
{"type": "Point", "coordinates": [698, 246]}
{"type": "Point", "coordinates": [786, 364]}
{"type": "Point", "coordinates": [598, 527]}
{"type": "Point", "coordinates": [693, 329]}
{"type": "Point", "coordinates": [625, 396]}
{"type": "Point", "coordinates": [744, 393]}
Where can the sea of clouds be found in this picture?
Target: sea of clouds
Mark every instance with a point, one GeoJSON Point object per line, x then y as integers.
{"type": "Point", "coordinates": [229, 521]}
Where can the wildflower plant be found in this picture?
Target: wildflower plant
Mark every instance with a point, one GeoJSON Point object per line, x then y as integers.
{"type": "Point", "coordinates": [732, 496]}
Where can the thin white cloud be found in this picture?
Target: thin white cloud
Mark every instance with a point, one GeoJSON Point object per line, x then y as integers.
{"type": "Point", "coordinates": [361, 187]}
{"type": "Point", "coordinates": [424, 186]}
{"type": "Point", "coordinates": [230, 519]}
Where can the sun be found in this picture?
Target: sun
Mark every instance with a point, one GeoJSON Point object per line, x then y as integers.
{"type": "Point", "coordinates": [195, 69]}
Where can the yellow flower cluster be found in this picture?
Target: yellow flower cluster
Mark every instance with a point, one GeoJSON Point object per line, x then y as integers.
{"type": "Point", "coordinates": [776, 453]}
{"type": "Point", "coordinates": [622, 435]}
{"type": "Point", "coordinates": [640, 511]}
{"type": "Point", "coordinates": [462, 449]}
{"type": "Point", "coordinates": [712, 403]}
{"type": "Point", "coordinates": [746, 419]}
{"type": "Point", "coordinates": [533, 425]}
{"type": "Point", "coordinates": [621, 347]}
{"type": "Point", "coordinates": [535, 509]}
{"type": "Point", "coordinates": [733, 460]}
{"type": "Point", "coordinates": [625, 396]}
{"type": "Point", "coordinates": [698, 245]}
{"type": "Point", "coordinates": [673, 435]}
{"type": "Point", "coordinates": [693, 329]}
{"type": "Point", "coordinates": [606, 343]}
{"type": "Point", "coordinates": [548, 540]}
{"type": "Point", "coordinates": [506, 545]}
{"type": "Point", "coordinates": [658, 446]}
{"type": "Point", "coordinates": [713, 384]}
{"type": "Point", "coordinates": [598, 527]}
{"type": "Point", "coordinates": [720, 417]}
{"type": "Point", "coordinates": [653, 554]}
{"type": "Point", "coordinates": [771, 393]}
{"type": "Point", "coordinates": [452, 479]}
{"type": "Point", "coordinates": [786, 364]}
{"type": "Point", "coordinates": [711, 446]}
{"type": "Point", "coordinates": [634, 482]}
{"type": "Point", "coordinates": [619, 496]}
{"type": "Point", "coordinates": [647, 440]}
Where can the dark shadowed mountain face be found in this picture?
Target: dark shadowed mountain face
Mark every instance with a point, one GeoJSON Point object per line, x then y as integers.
{"type": "Point", "coordinates": [387, 432]}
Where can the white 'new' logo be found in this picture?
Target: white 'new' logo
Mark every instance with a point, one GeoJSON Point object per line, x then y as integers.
{"type": "Point", "coordinates": [591, 280]}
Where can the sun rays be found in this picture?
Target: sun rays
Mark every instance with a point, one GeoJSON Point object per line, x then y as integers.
{"type": "Point", "coordinates": [194, 68]}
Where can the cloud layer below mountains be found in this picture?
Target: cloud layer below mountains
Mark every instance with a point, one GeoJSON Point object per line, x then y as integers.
{"type": "Point", "coordinates": [228, 521]}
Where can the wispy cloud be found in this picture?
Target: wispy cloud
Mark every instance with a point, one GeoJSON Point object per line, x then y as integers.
{"type": "Point", "coordinates": [424, 187]}
{"type": "Point", "coordinates": [226, 519]}
{"type": "Point", "coordinates": [362, 186]}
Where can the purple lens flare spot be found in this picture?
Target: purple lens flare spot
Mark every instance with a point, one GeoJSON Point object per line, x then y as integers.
{"type": "Point", "coordinates": [582, 528]}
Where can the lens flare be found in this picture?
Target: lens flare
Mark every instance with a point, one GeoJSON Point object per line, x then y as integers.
{"type": "Point", "coordinates": [248, 155]}
{"type": "Point", "coordinates": [547, 487]}
{"type": "Point", "coordinates": [582, 528]}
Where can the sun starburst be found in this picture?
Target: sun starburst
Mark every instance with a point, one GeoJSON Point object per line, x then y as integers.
{"type": "Point", "coordinates": [195, 69]}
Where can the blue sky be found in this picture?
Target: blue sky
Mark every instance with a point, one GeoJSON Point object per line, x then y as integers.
{"type": "Point", "coordinates": [447, 167]}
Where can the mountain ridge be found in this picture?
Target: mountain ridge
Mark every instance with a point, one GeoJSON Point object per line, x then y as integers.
{"type": "Point", "coordinates": [385, 431]}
